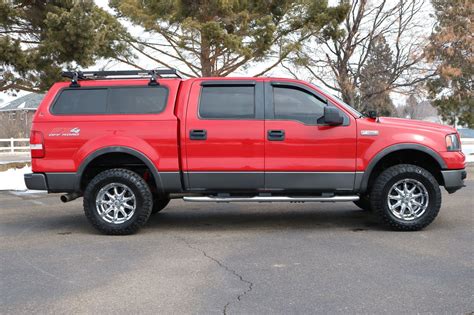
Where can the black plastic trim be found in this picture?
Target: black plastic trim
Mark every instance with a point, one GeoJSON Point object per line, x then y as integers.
{"type": "Point", "coordinates": [271, 181]}
{"type": "Point", "coordinates": [35, 181]}
{"type": "Point", "coordinates": [198, 134]}
{"type": "Point", "coordinates": [171, 182]}
{"type": "Point", "coordinates": [358, 181]}
{"type": "Point", "coordinates": [454, 179]}
{"type": "Point", "coordinates": [394, 148]}
{"type": "Point", "coordinates": [276, 135]}
{"type": "Point", "coordinates": [61, 182]}
{"type": "Point", "coordinates": [308, 181]}
{"type": "Point", "coordinates": [228, 82]}
{"type": "Point", "coordinates": [225, 181]}
{"type": "Point", "coordinates": [299, 86]}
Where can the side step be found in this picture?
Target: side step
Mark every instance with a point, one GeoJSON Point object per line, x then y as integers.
{"type": "Point", "coordinates": [270, 199]}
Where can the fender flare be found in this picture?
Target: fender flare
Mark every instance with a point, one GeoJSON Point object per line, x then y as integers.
{"type": "Point", "coordinates": [398, 147]}
{"type": "Point", "coordinates": [118, 149]}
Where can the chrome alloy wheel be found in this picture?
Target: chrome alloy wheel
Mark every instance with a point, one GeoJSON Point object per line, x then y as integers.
{"type": "Point", "coordinates": [408, 199]}
{"type": "Point", "coordinates": [115, 203]}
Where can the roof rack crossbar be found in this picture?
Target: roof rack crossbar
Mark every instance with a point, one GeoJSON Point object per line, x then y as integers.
{"type": "Point", "coordinates": [97, 75]}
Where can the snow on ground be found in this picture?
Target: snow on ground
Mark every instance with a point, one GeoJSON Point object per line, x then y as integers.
{"type": "Point", "coordinates": [12, 179]}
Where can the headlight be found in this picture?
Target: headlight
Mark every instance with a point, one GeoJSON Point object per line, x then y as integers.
{"type": "Point", "coordinates": [452, 143]}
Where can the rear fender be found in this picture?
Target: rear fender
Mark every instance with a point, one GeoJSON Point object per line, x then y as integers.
{"type": "Point", "coordinates": [134, 146]}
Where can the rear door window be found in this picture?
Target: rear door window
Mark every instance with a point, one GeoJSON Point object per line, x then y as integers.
{"type": "Point", "coordinates": [227, 102]}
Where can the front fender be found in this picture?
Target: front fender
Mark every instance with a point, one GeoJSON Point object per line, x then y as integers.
{"type": "Point", "coordinates": [393, 148]}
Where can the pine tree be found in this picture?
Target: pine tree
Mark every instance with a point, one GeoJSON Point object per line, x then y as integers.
{"type": "Point", "coordinates": [375, 80]}
{"type": "Point", "coordinates": [39, 38]}
{"type": "Point", "coordinates": [451, 49]}
{"type": "Point", "coordinates": [217, 37]}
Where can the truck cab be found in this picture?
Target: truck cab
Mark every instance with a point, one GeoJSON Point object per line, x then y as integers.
{"type": "Point", "coordinates": [130, 141]}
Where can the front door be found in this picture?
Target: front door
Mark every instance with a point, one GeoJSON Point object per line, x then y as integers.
{"type": "Point", "coordinates": [300, 153]}
{"type": "Point", "coordinates": [225, 136]}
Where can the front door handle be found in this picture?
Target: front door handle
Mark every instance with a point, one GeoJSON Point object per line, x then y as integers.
{"type": "Point", "coordinates": [276, 135]}
{"type": "Point", "coordinates": [198, 134]}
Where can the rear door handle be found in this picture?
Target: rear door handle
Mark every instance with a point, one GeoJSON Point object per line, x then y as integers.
{"type": "Point", "coordinates": [276, 135]}
{"type": "Point", "coordinates": [198, 134]}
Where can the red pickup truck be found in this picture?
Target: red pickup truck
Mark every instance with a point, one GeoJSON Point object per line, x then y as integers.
{"type": "Point", "coordinates": [129, 141]}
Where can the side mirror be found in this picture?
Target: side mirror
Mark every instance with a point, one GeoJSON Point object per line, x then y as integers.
{"type": "Point", "coordinates": [372, 114]}
{"type": "Point", "coordinates": [332, 117]}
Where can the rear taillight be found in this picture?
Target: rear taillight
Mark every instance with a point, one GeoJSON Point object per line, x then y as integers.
{"type": "Point", "coordinates": [36, 144]}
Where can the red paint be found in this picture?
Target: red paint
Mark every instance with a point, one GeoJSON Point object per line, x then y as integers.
{"type": "Point", "coordinates": [232, 145]}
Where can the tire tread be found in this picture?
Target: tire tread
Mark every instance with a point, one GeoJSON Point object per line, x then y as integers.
{"type": "Point", "coordinates": [378, 199]}
{"type": "Point", "coordinates": [142, 214]}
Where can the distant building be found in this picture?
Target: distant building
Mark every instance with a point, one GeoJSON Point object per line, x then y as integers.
{"type": "Point", "coordinates": [16, 116]}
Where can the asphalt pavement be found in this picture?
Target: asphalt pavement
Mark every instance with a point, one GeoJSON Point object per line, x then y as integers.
{"type": "Point", "coordinates": [196, 258]}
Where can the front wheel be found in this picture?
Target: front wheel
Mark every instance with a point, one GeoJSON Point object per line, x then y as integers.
{"type": "Point", "coordinates": [117, 201]}
{"type": "Point", "coordinates": [406, 197]}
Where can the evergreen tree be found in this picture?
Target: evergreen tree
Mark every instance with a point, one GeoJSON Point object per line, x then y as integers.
{"type": "Point", "coordinates": [39, 38]}
{"type": "Point", "coordinates": [217, 37]}
{"type": "Point", "coordinates": [451, 49]}
{"type": "Point", "coordinates": [376, 80]}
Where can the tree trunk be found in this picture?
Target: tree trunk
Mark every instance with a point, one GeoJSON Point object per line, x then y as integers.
{"type": "Point", "coordinates": [206, 66]}
{"type": "Point", "coordinates": [347, 88]}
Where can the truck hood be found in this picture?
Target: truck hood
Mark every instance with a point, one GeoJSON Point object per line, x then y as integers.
{"type": "Point", "coordinates": [411, 123]}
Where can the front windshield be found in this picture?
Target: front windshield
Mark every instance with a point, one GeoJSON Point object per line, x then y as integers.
{"type": "Point", "coordinates": [346, 106]}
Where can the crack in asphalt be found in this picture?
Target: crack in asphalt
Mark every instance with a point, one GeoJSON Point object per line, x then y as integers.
{"type": "Point", "coordinates": [226, 268]}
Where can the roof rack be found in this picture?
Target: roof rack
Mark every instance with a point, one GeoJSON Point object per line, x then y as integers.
{"type": "Point", "coordinates": [76, 76]}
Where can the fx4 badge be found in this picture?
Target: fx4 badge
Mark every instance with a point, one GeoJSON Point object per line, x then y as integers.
{"type": "Point", "coordinates": [369, 132]}
{"type": "Point", "coordinates": [65, 132]}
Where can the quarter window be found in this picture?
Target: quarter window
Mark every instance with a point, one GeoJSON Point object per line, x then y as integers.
{"type": "Point", "coordinates": [227, 102]}
{"type": "Point", "coordinates": [295, 104]}
{"type": "Point", "coordinates": [83, 101]}
{"type": "Point", "coordinates": [147, 100]}
{"type": "Point", "coordinates": [116, 100]}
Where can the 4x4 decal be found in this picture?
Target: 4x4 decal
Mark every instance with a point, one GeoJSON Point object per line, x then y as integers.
{"type": "Point", "coordinates": [65, 132]}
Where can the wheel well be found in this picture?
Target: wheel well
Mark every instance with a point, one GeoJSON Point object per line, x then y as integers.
{"type": "Point", "coordinates": [117, 160]}
{"type": "Point", "coordinates": [407, 156]}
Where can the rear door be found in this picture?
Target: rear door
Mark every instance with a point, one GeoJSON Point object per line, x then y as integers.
{"type": "Point", "coordinates": [224, 135]}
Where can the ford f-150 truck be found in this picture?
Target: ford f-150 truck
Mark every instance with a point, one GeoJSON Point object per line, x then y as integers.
{"type": "Point", "coordinates": [129, 141]}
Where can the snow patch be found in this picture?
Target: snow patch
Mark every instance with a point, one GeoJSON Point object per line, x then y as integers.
{"type": "Point", "coordinates": [12, 179]}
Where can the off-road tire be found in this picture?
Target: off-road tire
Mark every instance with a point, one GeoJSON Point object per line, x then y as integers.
{"type": "Point", "coordinates": [382, 185]}
{"type": "Point", "coordinates": [137, 184]}
{"type": "Point", "coordinates": [364, 203]}
{"type": "Point", "coordinates": [159, 203]}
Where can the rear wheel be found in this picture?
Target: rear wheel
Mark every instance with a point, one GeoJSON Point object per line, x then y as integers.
{"type": "Point", "coordinates": [406, 197]}
{"type": "Point", "coordinates": [117, 201]}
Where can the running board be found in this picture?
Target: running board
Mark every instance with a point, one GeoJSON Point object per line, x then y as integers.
{"type": "Point", "coordinates": [270, 199]}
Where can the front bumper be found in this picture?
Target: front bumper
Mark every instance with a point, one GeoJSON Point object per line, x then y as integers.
{"type": "Point", "coordinates": [454, 179]}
